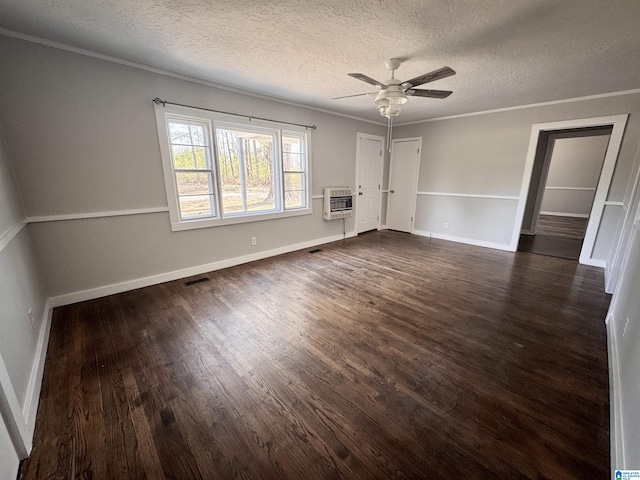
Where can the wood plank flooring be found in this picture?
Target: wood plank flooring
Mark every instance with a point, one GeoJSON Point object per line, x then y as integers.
{"type": "Point", "coordinates": [382, 356]}
{"type": "Point", "coordinates": [556, 236]}
{"type": "Point", "coordinates": [563, 227]}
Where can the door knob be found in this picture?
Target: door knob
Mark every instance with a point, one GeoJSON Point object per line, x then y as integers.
{"type": "Point", "coordinates": [391, 191]}
{"type": "Point", "coordinates": [359, 193]}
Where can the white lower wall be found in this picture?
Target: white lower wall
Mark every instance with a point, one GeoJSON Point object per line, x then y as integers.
{"type": "Point", "coordinates": [9, 460]}
{"type": "Point", "coordinates": [22, 342]}
{"type": "Point", "coordinates": [476, 220]}
{"type": "Point", "coordinates": [80, 255]}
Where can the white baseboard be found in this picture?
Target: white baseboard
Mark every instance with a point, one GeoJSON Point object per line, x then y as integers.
{"type": "Point", "coordinates": [383, 227]}
{"type": "Point", "coordinates": [468, 241]}
{"type": "Point", "coordinates": [615, 405]}
{"type": "Point", "coordinates": [32, 398]}
{"type": "Point", "coordinates": [114, 288]}
{"type": "Point", "coordinates": [596, 262]}
{"type": "Point", "coordinates": [563, 214]}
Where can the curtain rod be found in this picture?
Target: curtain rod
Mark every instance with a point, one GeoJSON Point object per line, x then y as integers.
{"type": "Point", "coordinates": [158, 101]}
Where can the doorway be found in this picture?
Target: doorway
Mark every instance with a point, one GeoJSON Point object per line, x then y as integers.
{"type": "Point", "coordinates": [526, 212]}
{"type": "Point", "coordinates": [369, 163]}
{"type": "Point", "coordinates": [562, 202]}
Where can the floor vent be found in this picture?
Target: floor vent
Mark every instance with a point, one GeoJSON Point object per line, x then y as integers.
{"type": "Point", "coordinates": [315, 250]}
{"type": "Point", "coordinates": [198, 280]}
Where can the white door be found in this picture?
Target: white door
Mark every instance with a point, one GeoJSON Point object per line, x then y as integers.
{"type": "Point", "coordinates": [368, 181]}
{"type": "Point", "coordinates": [403, 183]}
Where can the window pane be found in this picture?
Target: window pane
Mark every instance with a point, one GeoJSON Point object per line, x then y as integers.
{"type": "Point", "coordinates": [189, 158]}
{"type": "Point", "coordinates": [183, 134]}
{"type": "Point", "coordinates": [292, 162]}
{"type": "Point", "coordinates": [295, 199]}
{"type": "Point", "coordinates": [193, 183]}
{"type": "Point", "coordinates": [232, 201]}
{"type": "Point", "coordinates": [294, 181]}
{"type": "Point", "coordinates": [196, 206]}
{"type": "Point", "coordinates": [291, 144]}
{"type": "Point", "coordinates": [246, 159]}
{"type": "Point", "coordinates": [259, 198]}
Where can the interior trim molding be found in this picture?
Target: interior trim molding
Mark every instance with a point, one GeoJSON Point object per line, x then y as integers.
{"type": "Point", "coordinates": [564, 214]}
{"type": "Point", "coordinates": [611, 203]}
{"type": "Point", "coordinates": [521, 107]}
{"type": "Point", "coordinates": [14, 420]}
{"type": "Point", "coordinates": [615, 420]}
{"type": "Point", "coordinates": [10, 234]}
{"type": "Point", "coordinates": [469, 195]}
{"type": "Point", "coordinates": [618, 122]}
{"type": "Point", "coordinates": [32, 397]}
{"type": "Point", "coordinates": [82, 216]}
{"type": "Point", "coordinates": [468, 241]}
{"type": "Point", "coordinates": [585, 189]}
{"type": "Point", "coordinates": [103, 291]}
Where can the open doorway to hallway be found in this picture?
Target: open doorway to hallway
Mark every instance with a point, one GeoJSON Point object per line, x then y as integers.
{"type": "Point", "coordinates": [568, 168]}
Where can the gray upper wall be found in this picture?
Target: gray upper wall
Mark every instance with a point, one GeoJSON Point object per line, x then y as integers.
{"type": "Point", "coordinates": [11, 209]}
{"type": "Point", "coordinates": [485, 154]}
{"type": "Point", "coordinates": [83, 136]}
{"type": "Point", "coordinates": [81, 133]}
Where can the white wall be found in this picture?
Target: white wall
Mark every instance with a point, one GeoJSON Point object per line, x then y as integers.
{"type": "Point", "coordinates": [21, 344]}
{"type": "Point", "coordinates": [96, 150]}
{"type": "Point", "coordinates": [573, 175]}
{"type": "Point", "coordinates": [9, 461]}
{"type": "Point", "coordinates": [480, 159]}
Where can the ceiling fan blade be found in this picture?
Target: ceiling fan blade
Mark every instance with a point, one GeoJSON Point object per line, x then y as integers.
{"type": "Point", "coordinates": [370, 80]}
{"type": "Point", "coordinates": [356, 95]}
{"type": "Point", "coordinates": [443, 72]}
{"type": "Point", "coordinates": [428, 93]}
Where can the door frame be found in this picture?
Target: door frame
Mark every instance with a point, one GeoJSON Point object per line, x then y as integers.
{"type": "Point", "coordinates": [415, 182]}
{"type": "Point", "coordinates": [368, 136]}
{"type": "Point", "coordinates": [618, 124]}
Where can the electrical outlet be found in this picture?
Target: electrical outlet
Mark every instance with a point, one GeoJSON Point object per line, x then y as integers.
{"type": "Point", "coordinates": [254, 241]}
{"type": "Point", "coordinates": [30, 315]}
{"type": "Point", "coordinates": [446, 225]}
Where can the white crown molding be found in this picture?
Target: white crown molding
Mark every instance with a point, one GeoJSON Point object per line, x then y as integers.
{"type": "Point", "coordinates": [10, 234]}
{"type": "Point", "coordinates": [169, 73]}
{"type": "Point", "coordinates": [522, 107]}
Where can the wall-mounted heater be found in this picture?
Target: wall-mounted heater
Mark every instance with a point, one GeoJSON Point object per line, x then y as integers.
{"type": "Point", "coordinates": [338, 203]}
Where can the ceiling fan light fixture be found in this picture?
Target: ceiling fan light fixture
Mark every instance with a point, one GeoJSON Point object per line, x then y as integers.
{"type": "Point", "coordinates": [390, 102]}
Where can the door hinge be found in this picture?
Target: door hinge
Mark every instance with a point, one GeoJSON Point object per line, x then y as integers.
{"type": "Point", "coordinates": [378, 186]}
{"type": "Point", "coordinates": [418, 150]}
{"type": "Point", "coordinates": [380, 152]}
{"type": "Point", "coordinates": [378, 218]}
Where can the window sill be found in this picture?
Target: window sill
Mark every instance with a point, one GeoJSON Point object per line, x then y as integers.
{"type": "Point", "coordinates": [218, 222]}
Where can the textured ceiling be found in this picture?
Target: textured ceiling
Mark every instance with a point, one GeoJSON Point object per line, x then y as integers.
{"type": "Point", "coordinates": [506, 52]}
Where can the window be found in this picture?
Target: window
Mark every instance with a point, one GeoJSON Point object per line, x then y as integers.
{"type": "Point", "coordinates": [220, 171]}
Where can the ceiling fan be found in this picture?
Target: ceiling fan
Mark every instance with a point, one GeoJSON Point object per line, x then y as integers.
{"type": "Point", "coordinates": [391, 95]}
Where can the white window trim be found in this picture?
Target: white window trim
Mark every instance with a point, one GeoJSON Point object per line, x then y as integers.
{"type": "Point", "coordinates": [211, 118]}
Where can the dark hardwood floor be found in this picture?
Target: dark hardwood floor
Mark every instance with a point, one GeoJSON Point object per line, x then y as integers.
{"type": "Point", "coordinates": [382, 356]}
{"type": "Point", "coordinates": [562, 227]}
{"type": "Point", "coordinates": [556, 236]}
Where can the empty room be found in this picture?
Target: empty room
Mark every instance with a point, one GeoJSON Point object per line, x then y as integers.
{"type": "Point", "coordinates": [312, 240]}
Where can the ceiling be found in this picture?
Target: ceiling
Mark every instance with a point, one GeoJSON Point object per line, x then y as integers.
{"type": "Point", "coordinates": [506, 52]}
